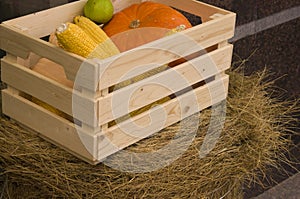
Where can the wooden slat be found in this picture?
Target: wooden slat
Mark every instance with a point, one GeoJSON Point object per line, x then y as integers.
{"type": "Point", "coordinates": [213, 32]}
{"type": "Point", "coordinates": [126, 133]}
{"type": "Point", "coordinates": [194, 7]}
{"type": "Point", "coordinates": [149, 90]}
{"type": "Point", "coordinates": [44, 22]}
{"type": "Point", "coordinates": [13, 48]}
{"type": "Point", "coordinates": [164, 50]}
{"type": "Point", "coordinates": [30, 61]}
{"type": "Point", "coordinates": [121, 4]}
{"type": "Point", "coordinates": [64, 98]}
{"type": "Point", "coordinates": [49, 125]}
{"type": "Point", "coordinates": [71, 62]}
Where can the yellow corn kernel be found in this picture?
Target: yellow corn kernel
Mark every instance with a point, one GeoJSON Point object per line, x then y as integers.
{"type": "Point", "coordinates": [92, 29]}
{"type": "Point", "coordinates": [48, 107]}
{"type": "Point", "coordinates": [73, 39]}
{"type": "Point", "coordinates": [175, 30]}
{"type": "Point", "coordinates": [97, 34]}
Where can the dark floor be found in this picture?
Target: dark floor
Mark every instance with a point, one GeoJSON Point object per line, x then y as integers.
{"type": "Point", "coordinates": [276, 48]}
{"type": "Point", "coordinates": [288, 189]}
{"type": "Point", "coordinates": [275, 180]}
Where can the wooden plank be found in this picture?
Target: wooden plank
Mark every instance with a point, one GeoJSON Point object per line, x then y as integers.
{"type": "Point", "coordinates": [104, 126]}
{"type": "Point", "coordinates": [13, 48]}
{"type": "Point", "coordinates": [195, 7]}
{"type": "Point", "coordinates": [72, 63]}
{"type": "Point", "coordinates": [49, 125]}
{"type": "Point", "coordinates": [164, 50]}
{"type": "Point", "coordinates": [214, 31]}
{"type": "Point", "coordinates": [30, 61]}
{"type": "Point", "coordinates": [89, 160]}
{"type": "Point", "coordinates": [44, 22]}
{"type": "Point", "coordinates": [63, 98]}
{"type": "Point", "coordinates": [126, 133]}
{"type": "Point", "coordinates": [121, 4]}
{"type": "Point", "coordinates": [149, 90]}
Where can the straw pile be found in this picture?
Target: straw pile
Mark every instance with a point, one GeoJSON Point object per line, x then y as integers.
{"type": "Point", "coordinates": [255, 136]}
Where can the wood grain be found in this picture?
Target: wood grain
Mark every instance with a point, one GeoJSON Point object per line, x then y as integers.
{"type": "Point", "coordinates": [149, 90]}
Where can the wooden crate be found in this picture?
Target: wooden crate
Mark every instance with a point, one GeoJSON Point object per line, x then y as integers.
{"type": "Point", "coordinates": [85, 95]}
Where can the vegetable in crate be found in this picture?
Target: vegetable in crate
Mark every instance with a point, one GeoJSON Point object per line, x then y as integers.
{"type": "Point", "coordinates": [99, 11]}
{"type": "Point", "coordinates": [49, 107]}
{"type": "Point", "coordinates": [142, 23]}
{"type": "Point", "coordinates": [75, 39]}
{"type": "Point", "coordinates": [97, 34]}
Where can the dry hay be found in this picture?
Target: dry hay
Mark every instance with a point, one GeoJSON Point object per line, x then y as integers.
{"type": "Point", "coordinates": [256, 135]}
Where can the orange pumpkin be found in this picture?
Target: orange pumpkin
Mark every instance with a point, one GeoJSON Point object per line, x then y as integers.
{"type": "Point", "coordinates": [141, 23]}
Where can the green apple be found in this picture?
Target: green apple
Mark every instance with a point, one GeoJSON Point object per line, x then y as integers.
{"type": "Point", "coordinates": [99, 11]}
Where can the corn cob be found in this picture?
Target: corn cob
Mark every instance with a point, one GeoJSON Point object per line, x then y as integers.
{"type": "Point", "coordinates": [48, 107]}
{"type": "Point", "coordinates": [73, 39]}
{"type": "Point", "coordinates": [97, 34]}
{"type": "Point", "coordinates": [92, 29]}
{"type": "Point", "coordinates": [139, 111]}
{"type": "Point", "coordinates": [175, 30]}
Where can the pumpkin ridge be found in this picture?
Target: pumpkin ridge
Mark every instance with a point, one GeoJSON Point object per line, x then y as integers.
{"type": "Point", "coordinates": [131, 13]}
{"type": "Point", "coordinates": [155, 19]}
{"type": "Point", "coordinates": [121, 26]}
{"type": "Point", "coordinates": [148, 8]}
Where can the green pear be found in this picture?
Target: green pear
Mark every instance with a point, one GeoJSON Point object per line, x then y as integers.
{"type": "Point", "coordinates": [99, 11]}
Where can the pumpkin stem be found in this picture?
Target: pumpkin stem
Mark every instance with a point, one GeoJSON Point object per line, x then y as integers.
{"type": "Point", "coordinates": [134, 24]}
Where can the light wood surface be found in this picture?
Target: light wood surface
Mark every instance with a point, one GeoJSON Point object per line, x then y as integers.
{"type": "Point", "coordinates": [41, 24]}
{"type": "Point", "coordinates": [50, 91]}
{"type": "Point", "coordinates": [123, 135]}
{"type": "Point", "coordinates": [163, 84]}
{"type": "Point", "coordinates": [21, 44]}
{"type": "Point", "coordinates": [64, 80]}
{"type": "Point", "coordinates": [164, 50]}
{"type": "Point", "coordinates": [49, 125]}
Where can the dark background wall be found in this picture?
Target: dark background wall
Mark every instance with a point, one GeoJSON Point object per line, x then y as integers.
{"type": "Point", "coordinates": [276, 48]}
{"type": "Point", "coordinates": [265, 39]}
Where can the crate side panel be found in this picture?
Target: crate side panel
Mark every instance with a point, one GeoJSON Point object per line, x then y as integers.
{"type": "Point", "coordinates": [13, 48]}
{"type": "Point", "coordinates": [44, 22]}
{"type": "Point", "coordinates": [49, 125]}
{"type": "Point", "coordinates": [127, 133]}
{"type": "Point", "coordinates": [154, 54]}
{"type": "Point", "coordinates": [63, 98]}
{"type": "Point", "coordinates": [70, 62]}
{"type": "Point", "coordinates": [149, 90]}
{"type": "Point", "coordinates": [212, 32]}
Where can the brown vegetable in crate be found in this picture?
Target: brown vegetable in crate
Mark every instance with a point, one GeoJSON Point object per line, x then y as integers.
{"type": "Point", "coordinates": [53, 39]}
{"type": "Point", "coordinates": [143, 23]}
{"type": "Point", "coordinates": [53, 71]}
